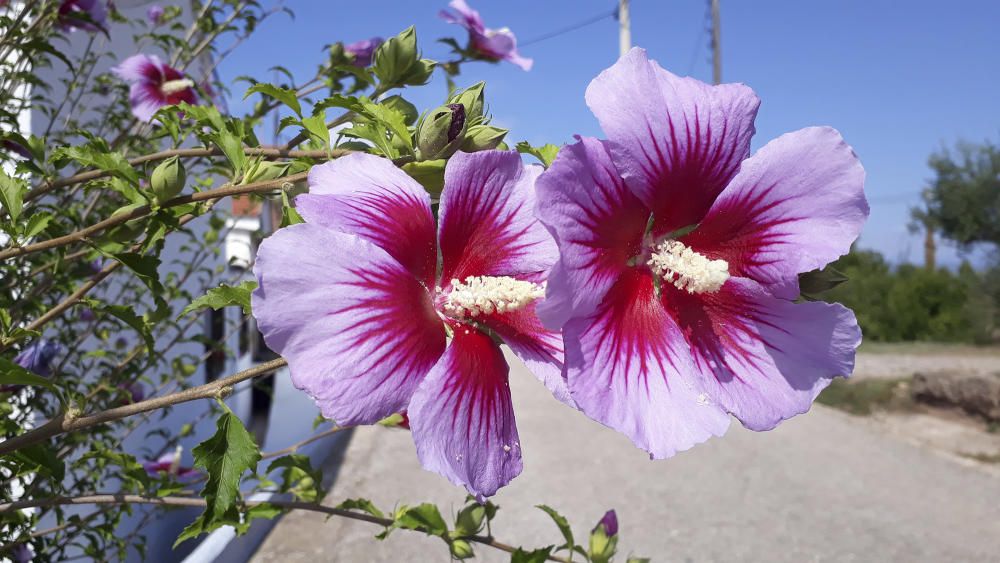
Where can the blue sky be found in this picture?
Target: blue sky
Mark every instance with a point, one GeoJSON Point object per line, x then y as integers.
{"type": "Point", "coordinates": [899, 80]}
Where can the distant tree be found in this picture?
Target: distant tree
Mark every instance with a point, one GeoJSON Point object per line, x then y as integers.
{"type": "Point", "coordinates": [963, 200]}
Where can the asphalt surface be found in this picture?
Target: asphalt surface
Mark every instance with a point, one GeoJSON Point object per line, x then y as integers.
{"type": "Point", "coordinates": [822, 487]}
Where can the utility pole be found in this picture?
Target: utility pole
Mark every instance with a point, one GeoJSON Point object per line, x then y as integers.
{"type": "Point", "coordinates": [624, 28]}
{"type": "Point", "coordinates": [716, 47]}
{"type": "Point", "coordinates": [930, 248]}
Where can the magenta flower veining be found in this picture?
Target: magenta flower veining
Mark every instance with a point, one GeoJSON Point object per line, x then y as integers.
{"type": "Point", "coordinates": [357, 302]}
{"type": "Point", "coordinates": [490, 44]}
{"type": "Point", "coordinates": [680, 255]}
{"type": "Point", "coordinates": [154, 85]}
{"type": "Point", "coordinates": [363, 51]}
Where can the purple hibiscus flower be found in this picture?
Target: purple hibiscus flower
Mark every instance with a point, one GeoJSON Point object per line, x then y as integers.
{"type": "Point", "coordinates": [170, 464]}
{"type": "Point", "coordinates": [363, 50]}
{"type": "Point", "coordinates": [154, 14]}
{"type": "Point", "coordinates": [36, 358]}
{"type": "Point", "coordinates": [354, 300]}
{"type": "Point", "coordinates": [70, 12]}
{"type": "Point", "coordinates": [490, 44]}
{"type": "Point", "coordinates": [679, 257]}
{"type": "Point", "coordinates": [154, 85]}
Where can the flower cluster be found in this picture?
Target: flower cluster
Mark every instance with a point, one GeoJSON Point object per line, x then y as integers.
{"type": "Point", "coordinates": [664, 261]}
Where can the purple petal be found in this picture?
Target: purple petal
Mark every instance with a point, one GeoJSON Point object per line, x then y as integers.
{"type": "Point", "coordinates": [795, 206]}
{"type": "Point", "coordinates": [678, 141]}
{"type": "Point", "coordinates": [628, 367]}
{"type": "Point", "coordinates": [462, 419]}
{"type": "Point", "coordinates": [499, 44]}
{"type": "Point", "coordinates": [145, 99]}
{"type": "Point", "coordinates": [140, 68]}
{"type": "Point", "coordinates": [369, 196]}
{"type": "Point", "coordinates": [610, 523]}
{"type": "Point", "coordinates": [358, 330]}
{"type": "Point", "coordinates": [761, 358]}
{"type": "Point", "coordinates": [597, 223]}
{"type": "Point", "coordinates": [487, 224]}
{"type": "Point", "coordinates": [37, 358]}
{"type": "Point", "coordinates": [464, 16]}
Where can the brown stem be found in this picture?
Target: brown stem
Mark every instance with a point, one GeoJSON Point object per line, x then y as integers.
{"type": "Point", "coordinates": [69, 422]}
{"type": "Point", "coordinates": [122, 498]}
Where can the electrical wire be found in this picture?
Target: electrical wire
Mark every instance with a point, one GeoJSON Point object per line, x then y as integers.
{"type": "Point", "coordinates": [574, 27]}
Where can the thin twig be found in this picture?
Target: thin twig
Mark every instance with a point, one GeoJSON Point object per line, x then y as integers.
{"type": "Point", "coordinates": [70, 422]}
{"type": "Point", "coordinates": [122, 498]}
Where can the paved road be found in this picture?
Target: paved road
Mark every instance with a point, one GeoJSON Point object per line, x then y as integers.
{"type": "Point", "coordinates": [822, 487]}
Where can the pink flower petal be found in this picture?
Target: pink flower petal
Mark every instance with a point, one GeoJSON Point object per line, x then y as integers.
{"type": "Point", "coordinates": [629, 368]}
{"type": "Point", "coordinates": [678, 141]}
{"type": "Point", "coordinates": [372, 198]}
{"type": "Point", "coordinates": [761, 358]}
{"type": "Point", "coordinates": [795, 206]}
{"type": "Point", "coordinates": [358, 330]}
{"type": "Point", "coordinates": [597, 223]}
{"type": "Point", "coordinates": [487, 225]}
{"type": "Point", "coordinates": [462, 419]}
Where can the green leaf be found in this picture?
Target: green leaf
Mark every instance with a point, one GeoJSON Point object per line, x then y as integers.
{"type": "Point", "coordinates": [13, 374]}
{"type": "Point", "coordinates": [289, 216]}
{"type": "Point", "coordinates": [12, 195]}
{"type": "Point", "coordinates": [286, 96]}
{"type": "Point", "coordinates": [223, 296]}
{"type": "Point", "coordinates": [545, 153]}
{"type": "Point", "coordinates": [563, 525]}
{"type": "Point", "coordinates": [37, 223]}
{"type": "Point", "coordinates": [226, 456]}
{"type": "Point", "coordinates": [392, 119]}
{"type": "Point", "coordinates": [363, 505]}
{"type": "Point", "coordinates": [425, 518]}
{"type": "Point", "coordinates": [97, 155]}
{"type": "Point", "coordinates": [41, 458]}
{"type": "Point", "coordinates": [536, 556]}
{"type": "Point", "coordinates": [315, 126]}
{"type": "Point", "coordinates": [633, 559]}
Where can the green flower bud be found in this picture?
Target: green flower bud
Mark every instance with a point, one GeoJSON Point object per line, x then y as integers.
{"type": "Point", "coordinates": [167, 179]}
{"type": "Point", "coordinates": [473, 100]}
{"type": "Point", "coordinates": [441, 132]}
{"type": "Point", "coordinates": [470, 519]}
{"type": "Point", "coordinates": [430, 174]}
{"type": "Point", "coordinates": [483, 137]}
{"type": "Point", "coordinates": [461, 549]}
{"type": "Point", "coordinates": [398, 63]}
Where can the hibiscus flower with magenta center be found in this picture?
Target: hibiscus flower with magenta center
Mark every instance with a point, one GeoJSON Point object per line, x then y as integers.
{"type": "Point", "coordinates": [680, 255]}
{"type": "Point", "coordinates": [373, 323]}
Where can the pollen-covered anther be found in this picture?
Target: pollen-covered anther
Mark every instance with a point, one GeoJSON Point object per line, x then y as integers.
{"type": "Point", "coordinates": [174, 86]}
{"type": "Point", "coordinates": [485, 295]}
{"type": "Point", "coordinates": [687, 269]}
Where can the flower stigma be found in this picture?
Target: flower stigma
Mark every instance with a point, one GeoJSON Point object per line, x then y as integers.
{"type": "Point", "coordinates": [485, 295]}
{"type": "Point", "coordinates": [174, 86]}
{"type": "Point", "coordinates": [687, 269]}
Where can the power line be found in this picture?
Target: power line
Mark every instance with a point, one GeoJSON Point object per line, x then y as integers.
{"type": "Point", "coordinates": [574, 27]}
